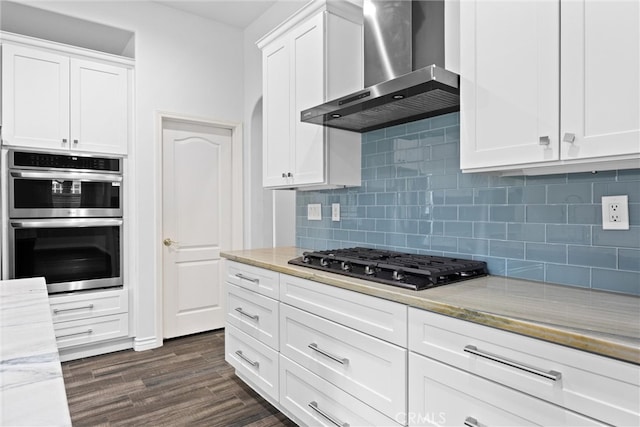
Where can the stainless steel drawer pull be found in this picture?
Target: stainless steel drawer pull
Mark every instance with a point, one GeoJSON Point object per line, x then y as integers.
{"type": "Point", "coordinates": [569, 137]}
{"type": "Point", "coordinates": [314, 406]}
{"type": "Point", "coordinates": [550, 375]}
{"type": "Point", "coordinates": [253, 363]}
{"type": "Point", "coordinates": [243, 277]}
{"type": "Point", "coordinates": [341, 360]}
{"type": "Point", "coordinates": [244, 313]}
{"type": "Point", "coordinates": [84, 307]}
{"type": "Point", "coordinates": [87, 332]}
{"type": "Point", "coordinates": [471, 422]}
{"type": "Point", "coordinates": [545, 140]}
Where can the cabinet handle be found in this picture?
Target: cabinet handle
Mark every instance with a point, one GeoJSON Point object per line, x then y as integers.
{"type": "Point", "coordinates": [550, 375]}
{"type": "Point", "coordinates": [75, 141]}
{"type": "Point", "coordinates": [340, 360]}
{"type": "Point", "coordinates": [253, 363]}
{"type": "Point", "coordinates": [59, 310]}
{"type": "Point", "coordinates": [244, 313]}
{"type": "Point", "coordinates": [545, 140]}
{"type": "Point", "coordinates": [87, 332]}
{"type": "Point", "coordinates": [471, 422]}
{"type": "Point", "coordinates": [64, 140]}
{"type": "Point", "coordinates": [569, 137]}
{"type": "Point", "coordinates": [250, 279]}
{"type": "Point", "coordinates": [289, 174]}
{"type": "Point", "coordinates": [335, 421]}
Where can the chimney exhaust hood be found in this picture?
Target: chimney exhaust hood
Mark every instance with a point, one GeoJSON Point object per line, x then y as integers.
{"type": "Point", "coordinates": [400, 37]}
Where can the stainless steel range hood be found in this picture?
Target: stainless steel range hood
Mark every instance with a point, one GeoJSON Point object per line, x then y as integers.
{"type": "Point", "coordinates": [401, 38]}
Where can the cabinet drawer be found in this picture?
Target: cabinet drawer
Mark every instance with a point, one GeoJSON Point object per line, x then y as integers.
{"type": "Point", "coordinates": [86, 331]}
{"type": "Point", "coordinates": [375, 316]}
{"type": "Point", "coordinates": [370, 369]}
{"type": "Point", "coordinates": [255, 279]}
{"type": "Point", "coordinates": [254, 361]}
{"type": "Point", "coordinates": [88, 304]}
{"type": "Point", "coordinates": [254, 314]}
{"type": "Point", "coordinates": [308, 397]}
{"type": "Point", "coordinates": [599, 387]}
{"type": "Point", "coordinates": [445, 396]}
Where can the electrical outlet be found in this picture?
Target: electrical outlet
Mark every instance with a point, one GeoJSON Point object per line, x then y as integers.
{"type": "Point", "coordinates": [314, 212]}
{"type": "Point", "coordinates": [615, 212]}
{"type": "Point", "coordinates": [335, 212]}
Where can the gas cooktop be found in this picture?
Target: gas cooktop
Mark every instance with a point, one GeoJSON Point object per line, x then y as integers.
{"type": "Point", "coordinates": [405, 270]}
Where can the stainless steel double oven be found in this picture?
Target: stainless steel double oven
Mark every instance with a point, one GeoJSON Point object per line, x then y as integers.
{"type": "Point", "coordinates": [65, 220]}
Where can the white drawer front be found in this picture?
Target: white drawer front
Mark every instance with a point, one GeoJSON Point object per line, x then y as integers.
{"type": "Point", "coordinates": [85, 331]}
{"type": "Point", "coordinates": [370, 369]}
{"type": "Point", "coordinates": [375, 316]}
{"type": "Point", "coordinates": [445, 396]}
{"type": "Point", "coordinates": [602, 388]}
{"type": "Point", "coordinates": [260, 280]}
{"type": "Point", "coordinates": [316, 402]}
{"type": "Point", "coordinates": [253, 360]}
{"type": "Point", "coordinates": [254, 314]}
{"type": "Point", "coordinates": [88, 304]}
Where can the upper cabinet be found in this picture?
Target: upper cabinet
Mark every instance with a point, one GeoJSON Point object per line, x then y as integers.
{"type": "Point", "coordinates": [314, 56]}
{"type": "Point", "coordinates": [57, 101]}
{"type": "Point", "coordinates": [549, 86]}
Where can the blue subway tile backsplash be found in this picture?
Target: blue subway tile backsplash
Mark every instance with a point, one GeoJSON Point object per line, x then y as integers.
{"type": "Point", "coordinates": [414, 198]}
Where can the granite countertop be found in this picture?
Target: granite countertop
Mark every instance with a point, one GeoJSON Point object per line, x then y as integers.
{"type": "Point", "coordinates": [32, 389]}
{"type": "Point", "coordinates": [600, 322]}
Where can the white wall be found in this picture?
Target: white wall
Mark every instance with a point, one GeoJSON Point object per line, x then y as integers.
{"type": "Point", "coordinates": [269, 215]}
{"type": "Point", "coordinates": [184, 64]}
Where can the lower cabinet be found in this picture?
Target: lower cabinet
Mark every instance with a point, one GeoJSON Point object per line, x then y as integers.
{"type": "Point", "coordinates": [89, 319]}
{"type": "Point", "coordinates": [327, 356]}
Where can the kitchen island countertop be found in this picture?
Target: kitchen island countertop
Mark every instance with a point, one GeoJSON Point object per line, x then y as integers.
{"type": "Point", "coordinates": [32, 389]}
{"type": "Point", "coordinates": [603, 323]}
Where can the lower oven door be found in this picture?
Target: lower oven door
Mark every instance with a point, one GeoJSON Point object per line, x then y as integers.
{"type": "Point", "coordinates": [71, 254]}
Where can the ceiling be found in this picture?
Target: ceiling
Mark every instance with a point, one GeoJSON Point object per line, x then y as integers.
{"type": "Point", "coordinates": [237, 13]}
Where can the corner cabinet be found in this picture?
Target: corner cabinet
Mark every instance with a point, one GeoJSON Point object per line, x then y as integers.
{"type": "Point", "coordinates": [549, 86]}
{"type": "Point", "coordinates": [314, 56]}
{"type": "Point", "coordinates": [59, 101]}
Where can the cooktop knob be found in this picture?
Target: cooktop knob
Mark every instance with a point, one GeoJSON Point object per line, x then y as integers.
{"type": "Point", "coordinates": [346, 266]}
{"type": "Point", "coordinates": [306, 259]}
{"type": "Point", "coordinates": [324, 262]}
{"type": "Point", "coordinates": [398, 275]}
{"type": "Point", "coordinates": [369, 270]}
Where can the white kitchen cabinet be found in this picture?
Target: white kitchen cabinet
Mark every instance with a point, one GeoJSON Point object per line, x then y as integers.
{"type": "Point", "coordinates": [314, 56]}
{"type": "Point", "coordinates": [534, 98]}
{"type": "Point", "coordinates": [574, 381]}
{"type": "Point", "coordinates": [56, 101]}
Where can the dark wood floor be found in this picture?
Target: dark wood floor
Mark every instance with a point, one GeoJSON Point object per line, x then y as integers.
{"type": "Point", "coordinates": [186, 382]}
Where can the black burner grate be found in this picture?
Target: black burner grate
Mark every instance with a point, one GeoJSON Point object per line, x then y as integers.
{"type": "Point", "coordinates": [411, 271]}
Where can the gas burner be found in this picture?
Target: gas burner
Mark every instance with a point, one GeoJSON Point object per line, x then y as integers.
{"type": "Point", "coordinates": [405, 270]}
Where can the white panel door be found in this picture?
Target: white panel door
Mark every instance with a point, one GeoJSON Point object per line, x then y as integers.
{"type": "Point", "coordinates": [309, 90]}
{"type": "Point", "coordinates": [35, 98]}
{"type": "Point", "coordinates": [601, 108]}
{"type": "Point", "coordinates": [509, 65]}
{"type": "Point", "coordinates": [196, 225]}
{"type": "Point", "coordinates": [99, 107]}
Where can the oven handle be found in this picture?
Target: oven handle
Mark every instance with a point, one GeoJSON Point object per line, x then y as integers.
{"type": "Point", "coordinates": [70, 176]}
{"type": "Point", "coordinates": [66, 223]}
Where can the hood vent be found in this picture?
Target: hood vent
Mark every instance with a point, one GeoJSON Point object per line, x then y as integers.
{"type": "Point", "coordinates": [400, 39]}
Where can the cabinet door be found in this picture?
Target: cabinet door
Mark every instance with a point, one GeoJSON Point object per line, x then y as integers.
{"type": "Point", "coordinates": [509, 65]}
{"type": "Point", "coordinates": [35, 98]}
{"type": "Point", "coordinates": [277, 114]}
{"type": "Point", "coordinates": [308, 71]}
{"type": "Point", "coordinates": [600, 78]}
{"type": "Point", "coordinates": [99, 107]}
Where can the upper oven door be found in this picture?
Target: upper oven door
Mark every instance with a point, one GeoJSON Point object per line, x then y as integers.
{"type": "Point", "coordinates": [54, 194]}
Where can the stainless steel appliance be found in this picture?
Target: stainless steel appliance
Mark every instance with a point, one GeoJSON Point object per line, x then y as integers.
{"type": "Point", "coordinates": [404, 72]}
{"type": "Point", "coordinates": [65, 220]}
{"type": "Point", "coordinates": [411, 271]}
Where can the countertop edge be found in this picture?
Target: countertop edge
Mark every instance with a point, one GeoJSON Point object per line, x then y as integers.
{"type": "Point", "coordinates": [550, 333]}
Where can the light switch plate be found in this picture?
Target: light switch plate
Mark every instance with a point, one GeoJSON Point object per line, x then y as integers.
{"type": "Point", "coordinates": [314, 212]}
{"type": "Point", "coordinates": [335, 212]}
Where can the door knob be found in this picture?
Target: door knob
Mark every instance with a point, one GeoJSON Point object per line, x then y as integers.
{"type": "Point", "coordinates": [168, 242]}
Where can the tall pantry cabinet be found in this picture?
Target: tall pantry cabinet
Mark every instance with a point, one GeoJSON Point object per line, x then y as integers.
{"type": "Point", "coordinates": [550, 86]}
{"type": "Point", "coordinates": [314, 56]}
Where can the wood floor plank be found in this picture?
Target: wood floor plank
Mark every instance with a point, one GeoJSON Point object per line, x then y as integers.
{"type": "Point", "coordinates": [186, 382]}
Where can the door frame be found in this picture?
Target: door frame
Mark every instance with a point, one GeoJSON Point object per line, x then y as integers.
{"type": "Point", "coordinates": [237, 222]}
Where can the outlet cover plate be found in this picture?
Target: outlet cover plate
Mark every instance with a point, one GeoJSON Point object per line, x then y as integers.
{"type": "Point", "coordinates": [314, 212]}
{"type": "Point", "coordinates": [335, 212]}
{"type": "Point", "coordinates": [615, 212]}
